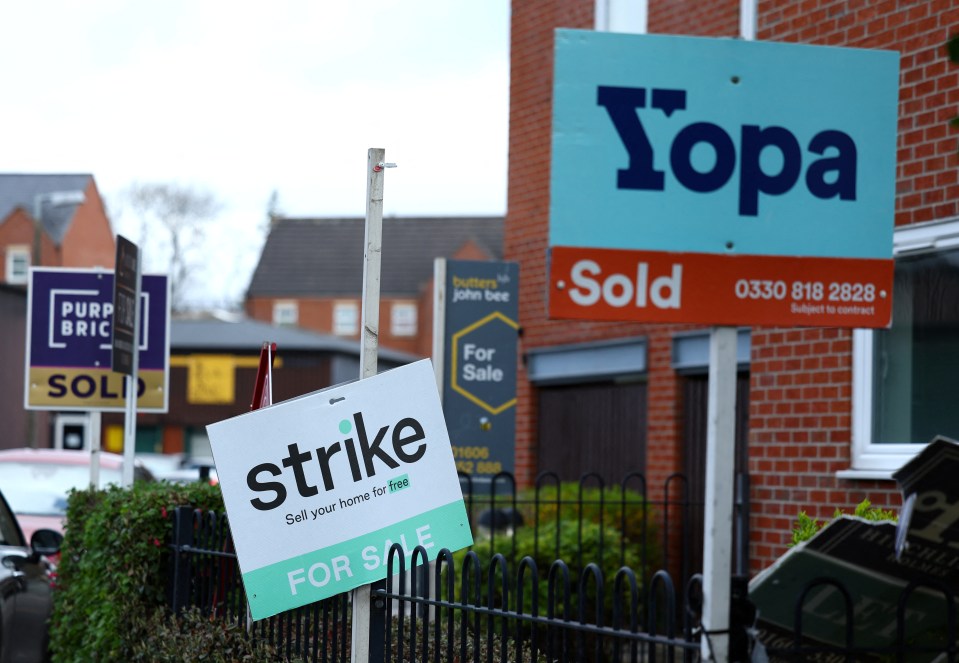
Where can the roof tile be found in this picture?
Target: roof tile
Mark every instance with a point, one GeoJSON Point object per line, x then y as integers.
{"type": "Point", "coordinates": [320, 257]}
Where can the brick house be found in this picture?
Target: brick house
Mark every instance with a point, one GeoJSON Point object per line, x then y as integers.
{"type": "Point", "coordinates": [310, 273]}
{"type": "Point", "coordinates": [825, 415]}
{"type": "Point", "coordinates": [70, 233]}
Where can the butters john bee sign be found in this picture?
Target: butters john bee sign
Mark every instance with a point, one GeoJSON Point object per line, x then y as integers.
{"type": "Point", "coordinates": [319, 488]}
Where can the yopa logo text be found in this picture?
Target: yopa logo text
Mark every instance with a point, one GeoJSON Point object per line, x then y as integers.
{"type": "Point", "coordinates": [830, 173]}
{"type": "Point", "coordinates": [315, 469]}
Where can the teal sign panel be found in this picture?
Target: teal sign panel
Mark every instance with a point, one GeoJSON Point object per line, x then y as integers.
{"type": "Point", "coordinates": [666, 143]}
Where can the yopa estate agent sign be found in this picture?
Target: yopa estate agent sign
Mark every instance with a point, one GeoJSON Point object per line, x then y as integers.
{"type": "Point", "coordinates": [320, 487]}
{"type": "Point", "coordinates": [720, 181]}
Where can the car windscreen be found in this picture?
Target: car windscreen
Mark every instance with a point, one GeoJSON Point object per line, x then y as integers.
{"type": "Point", "coordinates": [40, 489]}
{"type": "Point", "coordinates": [10, 534]}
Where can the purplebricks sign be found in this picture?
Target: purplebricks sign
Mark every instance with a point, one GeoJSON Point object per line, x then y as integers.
{"type": "Point", "coordinates": [69, 342]}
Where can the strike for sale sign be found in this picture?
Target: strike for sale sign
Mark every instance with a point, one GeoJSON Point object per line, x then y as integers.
{"type": "Point", "coordinates": [320, 487]}
{"type": "Point", "coordinates": [722, 181]}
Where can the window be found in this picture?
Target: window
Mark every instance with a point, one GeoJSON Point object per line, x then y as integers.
{"type": "Point", "coordinates": [403, 319]}
{"type": "Point", "coordinates": [346, 318]}
{"type": "Point", "coordinates": [904, 377]}
{"type": "Point", "coordinates": [285, 312]}
{"type": "Point", "coordinates": [18, 264]}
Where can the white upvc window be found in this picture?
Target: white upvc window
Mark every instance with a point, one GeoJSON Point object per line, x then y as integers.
{"type": "Point", "coordinates": [905, 377]}
{"type": "Point", "coordinates": [285, 312]}
{"type": "Point", "coordinates": [346, 318]}
{"type": "Point", "coordinates": [403, 319]}
{"type": "Point", "coordinates": [17, 264]}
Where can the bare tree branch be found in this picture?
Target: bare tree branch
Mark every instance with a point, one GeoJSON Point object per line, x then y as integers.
{"type": "Point", "coordinates": [176, 215]}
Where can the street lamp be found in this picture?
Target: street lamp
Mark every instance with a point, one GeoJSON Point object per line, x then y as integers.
{"type": "Point", "coordinates": [52, 199]}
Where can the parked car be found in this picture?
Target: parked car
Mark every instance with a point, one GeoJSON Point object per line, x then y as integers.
{"type": "Point", "coordinates": [37, 481]}
{"type": "Point", "coordinates": [26, 577]}
{"type": "Point", "coordinates": [179, 468]}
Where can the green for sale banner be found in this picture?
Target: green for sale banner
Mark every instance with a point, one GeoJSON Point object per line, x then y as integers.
{"type": "Point", "coordinates": [320, 487]}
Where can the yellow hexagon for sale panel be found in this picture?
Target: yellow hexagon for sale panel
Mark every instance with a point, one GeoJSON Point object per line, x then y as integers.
{"type": "Point", "coordinates": [480, 399]}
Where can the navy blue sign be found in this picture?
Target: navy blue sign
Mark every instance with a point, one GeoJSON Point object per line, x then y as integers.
{"type": "Point", "coordinates": [69, 341]}
{"type": "Point", "coordinates": [479, 385]}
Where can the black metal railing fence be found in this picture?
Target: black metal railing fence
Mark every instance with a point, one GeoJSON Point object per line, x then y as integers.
{"type": "Point", "coordinates": [540, 604]}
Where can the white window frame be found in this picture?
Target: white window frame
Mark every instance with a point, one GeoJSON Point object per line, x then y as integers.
{"type": "Point", "coordinates": [875, 460]}
{"type": "Point", "coordinates": [286, 312]}
{"type": "Point", "coordinates": [15, 252]}
{"type": "Point", "coordinates": [338, 328]}
{"type": "Point", "coordinates": [407, 327]}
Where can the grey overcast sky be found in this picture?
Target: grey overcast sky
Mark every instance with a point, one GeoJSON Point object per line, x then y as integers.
{"type": "Point", "coordinates": [243, 99]}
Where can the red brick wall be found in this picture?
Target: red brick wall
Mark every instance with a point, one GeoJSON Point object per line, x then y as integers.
{"type": "Point", "coordinates": [15, 230]}
{"type": "Point", "coordinates": [800, 434]}
{"type": "Point", "coordinates": [712, 18]}
{"type": "Point", "coordinates": [801, 380]}
{"type": "Point", "coordinates": [316, 314]}
{"type": "Point", "coordinates": [531, 63]}
{"type": "Point", "coordinates": [89, 241]}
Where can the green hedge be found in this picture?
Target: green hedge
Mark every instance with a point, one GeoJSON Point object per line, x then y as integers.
{"type": "Point", "coordinates": [570, 502]}
{"type": "Point", "coordinates": [195, 637]}
{"type": "Point", "coordinates": [111, 598]}
{"type": "Point", "coordinates": [113, 570]}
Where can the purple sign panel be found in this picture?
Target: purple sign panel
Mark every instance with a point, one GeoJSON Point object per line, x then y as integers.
{"type": "Point", "coordinates": [69, 342]}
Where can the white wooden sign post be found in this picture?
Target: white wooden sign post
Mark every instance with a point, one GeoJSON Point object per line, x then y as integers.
{"type": "Point", "coordinates": [720, 478]}
{"type": "Point", "coordinates": [375, 165]}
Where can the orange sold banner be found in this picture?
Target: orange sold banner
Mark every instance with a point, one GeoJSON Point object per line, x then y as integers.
{"type": "Point", "coordinates": [718, 289]}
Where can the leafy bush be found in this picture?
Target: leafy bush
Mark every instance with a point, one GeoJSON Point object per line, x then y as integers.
{"type": "Point", "coordinates": [577, 526]}
{"type": "Point", "coordinates": [612, 506]}
{"type": "Point", "coordinates": [113, 568]}
{"type": "Point", "coordinates": [193, 637]}
{"type": "Point", "coordinates": [807, 527]}
{"type": "Point", "coordinates": [570, 551]}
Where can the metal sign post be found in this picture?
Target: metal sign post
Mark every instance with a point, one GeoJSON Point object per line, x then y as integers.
{"type": "Point", "coordinates": [375, 165]}
{"type": "Point", "coordinates": [125, 356]}
{"type": "Point", "coordinates": [96, 431]}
